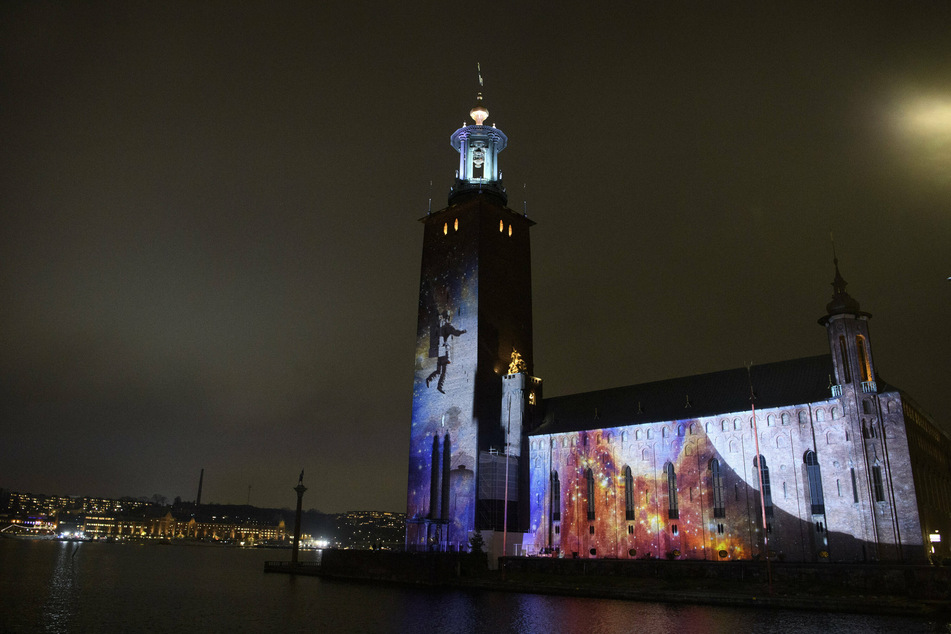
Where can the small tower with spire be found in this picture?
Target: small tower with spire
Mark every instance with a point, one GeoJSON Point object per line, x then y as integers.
{"type": "Point", "coordinates": [847, 327]}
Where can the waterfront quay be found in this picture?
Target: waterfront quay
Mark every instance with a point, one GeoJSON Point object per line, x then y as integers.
{"type": "Point", "coordinates": [861, 588]}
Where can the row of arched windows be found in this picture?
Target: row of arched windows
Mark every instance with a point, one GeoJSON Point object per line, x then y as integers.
{"type": "Point", "coordinates": [813, 476]}
{"type": "Point", "coordinates": [735, 424]}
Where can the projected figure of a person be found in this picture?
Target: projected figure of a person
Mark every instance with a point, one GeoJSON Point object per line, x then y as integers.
{"type": "Point", "coordinates": [445, 334]}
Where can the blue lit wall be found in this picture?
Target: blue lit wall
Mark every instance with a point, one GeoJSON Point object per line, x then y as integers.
{"type": "Point", "coordinates": [443, 387]}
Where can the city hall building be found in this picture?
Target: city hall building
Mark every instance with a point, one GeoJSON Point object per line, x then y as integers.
{"type": "Point", "coordinates": [813, 459]}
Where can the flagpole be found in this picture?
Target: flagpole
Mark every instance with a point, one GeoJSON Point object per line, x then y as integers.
{"type": "Point", "coordinates": [759, 473]}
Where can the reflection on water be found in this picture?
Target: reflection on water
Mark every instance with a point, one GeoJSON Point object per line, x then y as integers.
{"type": "Point", "coordinates": [89, 587]}
{"type": "Point", "coordinates": [63, 592]}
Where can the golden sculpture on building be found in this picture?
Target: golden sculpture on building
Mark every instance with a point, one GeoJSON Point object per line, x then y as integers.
{"type": "Point", "coordinates": [518, 364]}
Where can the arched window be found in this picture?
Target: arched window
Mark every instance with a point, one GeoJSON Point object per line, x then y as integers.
{"type": "Point", "coordinates": [446, 461]}
{"type": "Point", "coordinates": [718, 509]}
{"type": "Point", "coordinates": [843, 350]}
{"type": "Point", "coordinates": [863, 358]}
{"type": "Point", "coordinates": [628, 494]}
{"type": "Point", "coordinates": [434, 479]}
{"type": "Point", "coordinates": [878, 484]}
{"type": "Point", "coordinates": [785, 419]}
{"type": "Point", "coordinates": [589, 482]}
{"type": "Point", "coordinates": [815, 482]}
{"type": "Point", "coordinates": [672, 512]}
{"type": "Point", "coordinates": [767, 494]}
{"type": "Point", "coordinates": [555, 497]}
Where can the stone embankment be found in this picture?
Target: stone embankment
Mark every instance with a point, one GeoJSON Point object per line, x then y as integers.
{"type": "Point", "coordinates": [865, 588]}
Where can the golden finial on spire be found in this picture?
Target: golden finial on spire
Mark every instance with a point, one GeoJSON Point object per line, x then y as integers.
{"type": "Point", "coordinates": [479, 113]}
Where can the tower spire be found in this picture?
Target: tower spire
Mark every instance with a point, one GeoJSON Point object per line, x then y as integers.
{"type": "Point", "coordinates": [849, 341]}
{"type": "Point", "coordinates": [841, 302]}
{"type": "Point", "coordinates": [479, 146]}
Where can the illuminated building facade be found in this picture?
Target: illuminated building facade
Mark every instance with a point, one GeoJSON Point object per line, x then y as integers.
{"type": "Point", "coordinates": [811, 459]}
{"type": "Point", "coordinates": [814, 459]}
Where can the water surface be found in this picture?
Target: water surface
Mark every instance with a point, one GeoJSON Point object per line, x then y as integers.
{"type": "Point", "coordinates": [120, 587]}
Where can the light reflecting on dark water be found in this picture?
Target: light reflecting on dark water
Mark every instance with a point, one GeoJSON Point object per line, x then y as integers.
{"type": "Point", "coordinates": [87, 587]}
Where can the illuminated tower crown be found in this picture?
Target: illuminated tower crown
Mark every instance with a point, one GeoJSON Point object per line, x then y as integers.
{"type": "Point", "coordinates": [479, 146]}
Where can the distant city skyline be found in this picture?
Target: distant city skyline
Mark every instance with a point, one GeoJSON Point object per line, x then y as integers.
{"type": "Point", "coordinates": [211, 251]}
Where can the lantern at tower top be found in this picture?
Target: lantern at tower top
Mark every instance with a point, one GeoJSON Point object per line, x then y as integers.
{"type": "Point", "coordinates": [478, 146]}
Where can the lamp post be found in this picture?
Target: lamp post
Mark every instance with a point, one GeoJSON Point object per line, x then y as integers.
{"type": "Point", "coordinates": [300, 488]}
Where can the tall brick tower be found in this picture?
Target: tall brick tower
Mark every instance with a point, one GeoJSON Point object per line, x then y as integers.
{"type": "Point", "coordinates": [475, 310]}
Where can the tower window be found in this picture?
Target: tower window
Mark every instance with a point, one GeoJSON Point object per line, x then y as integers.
{"type": "Point", "coordinates": [878, 484]}
{"type": "Point", "coordinates": [863, 358]}
{"type": "Point", "coordinates": [455, 225]}
{"type": "Point", "coordinates": [510, 231]}
{"type": "Point", "coordinates": [815, 482]}
{"type": "Point", "coordinates": [718, 509]}
{"type": "Point", "coordinates": [589, 482]}
{"type": "Point", "coordinates": [445, 229]}
{"type": "Point", "coordinates": [501, 226]}
{"type": "Point", "coordinates": [628, 494]}
{"type": "Point", "coordinates": [434, 480]}
{"type": "Point", "coordinates": [555, 497]}
{"type": "Point", "coordinates": [672, 511]}
{"type": "Point", "coordinates": [843, 350]}
{"type": "Point", "coordinates": [760, 463]}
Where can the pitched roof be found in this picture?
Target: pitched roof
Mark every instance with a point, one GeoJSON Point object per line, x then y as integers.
{"type": "Point", "coordinates": [774, 384]}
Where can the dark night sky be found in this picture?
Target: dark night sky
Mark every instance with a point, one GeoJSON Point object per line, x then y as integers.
{"type": "Point", "coordinates": [209, 245]}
